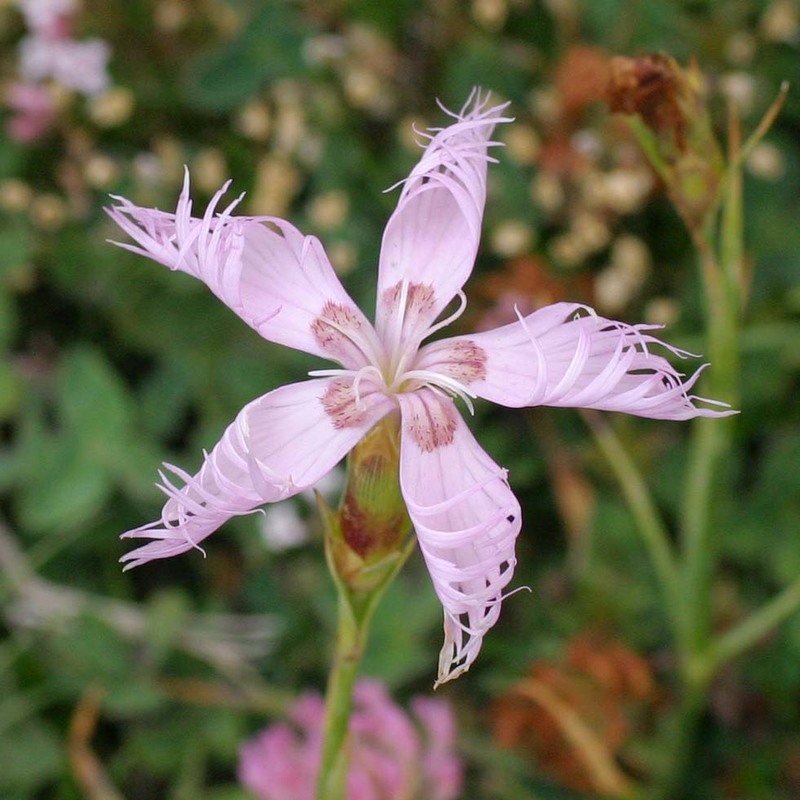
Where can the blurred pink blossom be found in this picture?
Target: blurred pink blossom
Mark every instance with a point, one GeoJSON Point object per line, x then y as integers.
{"type": "Point", "coordinates": [33, 110]}
{"type": "Point", "coordinates": [48, 17]}
{"type": "Point", "coordinates": [392, 756]}
{"type": "Point", "coordinates": [48, 58]}
{"type": "Point", "coordinates": [82, 66]}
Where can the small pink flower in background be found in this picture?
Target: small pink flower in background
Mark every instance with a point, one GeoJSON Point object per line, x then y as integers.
{"type": "Point", "coordinates": [281, 283]}
{"type": "Point", "coordinates": [49, 58]}
{"type": "Point", "coordinates": [34, 110]}
{"type": "Point", "coordinates": [392, 758]}
{"type": "Point", "coordinates": [48, 17]}
{"type": "Point", "coordinates": [81, 66]}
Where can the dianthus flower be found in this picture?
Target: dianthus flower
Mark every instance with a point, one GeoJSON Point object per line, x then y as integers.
{"type": "Point", "coordinates": [391, 757]}
{"type": "Point", "coordinates": [281, 283]}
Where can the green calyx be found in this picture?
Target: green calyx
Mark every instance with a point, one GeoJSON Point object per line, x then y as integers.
{"type": "Point", "coordinates": [368, 532]}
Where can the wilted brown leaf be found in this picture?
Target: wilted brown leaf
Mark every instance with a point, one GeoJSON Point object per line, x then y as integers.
{"type": "Point", "coordinates": [573, 717]}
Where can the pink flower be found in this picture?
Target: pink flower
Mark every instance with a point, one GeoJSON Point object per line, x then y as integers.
{"type": "Point", "coordinates": [34, 111]}
{"type": "Point", "coordinates": [82, 66]}
{"type": "Point", "coordinates": [391, 757]}
{"type": "Point", "coordinates": [281, 283]}
{"type": "Point", "coordinates": [48, 17]}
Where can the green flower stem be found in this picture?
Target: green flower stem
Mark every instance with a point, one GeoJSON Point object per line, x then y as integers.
{"type": "Point", "coordinates": [685, 725]}
{"type": "Point", "coordinates": [351, 640]}
{"type": "Point", "coordinates": [708, 447]}
{"type": "Point", "coordinates": [712, 437]}
{"type": "Point", "coordinates": [649, 524]}
{"type": "Point", "coordinates": [705, 480]}
{"type": "Point", "coordinates": [355, 612]}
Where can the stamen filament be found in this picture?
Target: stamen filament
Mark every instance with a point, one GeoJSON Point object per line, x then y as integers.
{"type": "Point", "coordinates": [397, 344]}
{"type": "Point", "coordinates": [462, 304]}
{"type": "Point", "coordinates": [435, 380]}
{"type": "Point", "coordinates": [410, 352]}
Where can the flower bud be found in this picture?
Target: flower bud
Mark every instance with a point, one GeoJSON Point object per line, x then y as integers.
{"type": "Point", "coordinates": [371, 524]}
{"type": "Point", "coordinates": [676, 135]}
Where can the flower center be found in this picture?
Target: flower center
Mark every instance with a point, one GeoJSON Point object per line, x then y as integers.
{"type": "Point", "coordinates": [390, 360]}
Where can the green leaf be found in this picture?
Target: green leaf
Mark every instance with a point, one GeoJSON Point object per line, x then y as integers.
{"type": "Point", "coordinates": [164, 397]}
{"type": "Point", "coordinates": [270, 46]}
{"type": "Point", "coordinates": [93, 401]}
{"type": "Point", "coordinates": [231, 792]}
{"type": "Point", "coordinates": [32, 756]}
{"type": "Point", "coordinates": [16, 251]}
{"type": "Point", "coordinates": [66, 490]}
{"type": "Point", "coordinates": [11, 390]}
{"type": "Point", "coordinates": [166, 617]}
{"type": "Point", "coordinates": [8, 318]}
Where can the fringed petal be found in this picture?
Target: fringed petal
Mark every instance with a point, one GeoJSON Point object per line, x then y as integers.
{"type": "Point", "coordinates": [466, 519]}
{"type": "Point", "coordinates": [277, 280]}
{"type": "Point", "coordinates": [431, 239]}
{"type": "Point", "coordinates": [198, 504]}
{"type": "Point", "coordinates": [278, 445]}
{"type": "Point", "coordinates": [566, 355]}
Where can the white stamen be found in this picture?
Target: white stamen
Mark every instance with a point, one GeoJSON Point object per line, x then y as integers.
{"type": "Point", "coordinates": [451, 386]}
{"type": "Point", "coordinates": [462, 304]}
{"type": "Point", "coordinates": [411, 352]}
{"type": "Point", "coordinates": [369, 368]}
{"type": "Point", "coordinates": [357, 375]}
{"type": "Point", "coordinates": [397, 340]}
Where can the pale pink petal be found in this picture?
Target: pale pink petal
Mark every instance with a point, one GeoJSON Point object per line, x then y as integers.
{"type": "Point", "coordinates": [278, 445]}
{"type": "Point", "coordinates": [276, 279]}
{"type": "Point", "coordinates": [566, 355]}
{"type": "Point", "coordinates": [299, 432]}
{"type": "Point", "coordinates": [34, 111]}
{"type": "Point", "coordinates": [431, 239]}
{"type": "Point", "coordinates": [466, 519]}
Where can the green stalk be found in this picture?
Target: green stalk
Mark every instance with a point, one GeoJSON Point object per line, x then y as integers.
{"type": "Point", "coordinates": [722, 280]}
{"type": "Point", "coordinates": [718, 240]}
{"type": "Point", "coordinates": [649, 524]}
{"type": "Point", "coordinates": [351, 639]}
{"type": "Point", "coordinates": [356, 610]}
{"type": "Point", "coordinates": [686, 724]}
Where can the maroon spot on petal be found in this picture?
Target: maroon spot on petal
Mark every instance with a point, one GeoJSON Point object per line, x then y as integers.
{"type": "Point", "coordinates": [420, 299]}
{"type": "Point", "coordinates": [463, 360]}
{"type": "Point", "coordinates": [339, 402]}
{"type": "Point", "coordinates": [432, 425]}
{"type": "Point", "coordinates": [330, 329]}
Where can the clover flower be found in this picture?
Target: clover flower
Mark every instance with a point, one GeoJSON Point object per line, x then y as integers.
{"type": "Point", "coordinates": [281, 283]}
{"type": "Point", "coordinates": [392, 758]}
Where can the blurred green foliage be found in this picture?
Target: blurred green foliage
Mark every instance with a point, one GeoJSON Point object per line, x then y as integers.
{"type": "Point", "coordinates": [111, 364]}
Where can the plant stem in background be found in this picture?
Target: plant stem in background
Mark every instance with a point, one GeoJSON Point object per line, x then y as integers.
{"type": "Point", "coordinates": [669, 118]}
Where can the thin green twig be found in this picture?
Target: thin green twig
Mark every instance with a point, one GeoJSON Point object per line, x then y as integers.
{"type": "Point", "coordinates": [649, 524]}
